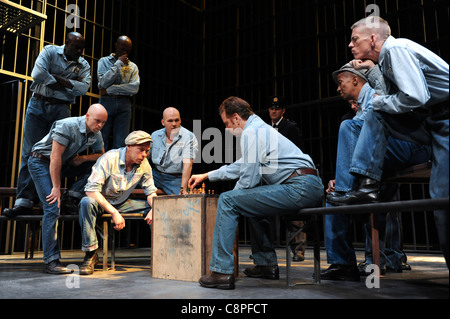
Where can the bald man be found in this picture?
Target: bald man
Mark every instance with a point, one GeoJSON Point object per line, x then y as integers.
{"type": "Point", "coordinates": [59, 75]}
{"type": "Point", "coordinates": [118, 82]}
{"type": "Point", "coordinates": [172, 154]}
{"type": "Point", "coordinates": [66, 139]}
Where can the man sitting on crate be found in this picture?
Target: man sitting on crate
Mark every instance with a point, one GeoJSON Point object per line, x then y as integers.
{"type": "Point", "coordinates": [115, 175]}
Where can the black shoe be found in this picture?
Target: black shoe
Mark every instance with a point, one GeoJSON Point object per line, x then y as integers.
{"type": "Point", "coordinates": [16, 211]}
{"type": "Point", "coordinates": [56, 268]}
{"type": "Point", "coordinates": [298, 256]}
{"type": "Point", "coordinates": [217, 280]}
{"type": "Point", "coordinates": [69, 205]}
{"type": "Point", "coordinates": [368, 192]}
{"type": "Point", "coordinates": [267, 272]}
{"type": "Point", "coordinates": [90, 260]}
{"type": "Point", "coordinates": [340, 272]}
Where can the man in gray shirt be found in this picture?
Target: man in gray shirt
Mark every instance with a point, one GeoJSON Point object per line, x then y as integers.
{"type": "Point", "coordinates": [66, 139]}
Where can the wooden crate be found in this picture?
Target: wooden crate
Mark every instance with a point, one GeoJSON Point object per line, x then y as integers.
{"type": "Point", "coordinates": [182, 233]}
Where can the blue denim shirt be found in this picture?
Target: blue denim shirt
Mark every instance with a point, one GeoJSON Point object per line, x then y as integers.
{"type": "Point", "coordinates": [364, 101]}
{"type": "Point", "coordinates": [184, 146]}
{"type": "Point", "coordinates": [118, 78]}
{"type": "Point", "coordinates": [415, 77]}
{"type": "Point", "coordinates": [52, 60]}
{"type": "Point", "coordinates": [266, 154]}
{"type": "Point", "coordinates": [109, 176]}
{"type": "Point", "coordinates": [70, 132]}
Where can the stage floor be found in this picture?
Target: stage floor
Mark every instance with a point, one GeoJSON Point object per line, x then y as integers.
{"type": "Point", "coordinates": [24, 279]}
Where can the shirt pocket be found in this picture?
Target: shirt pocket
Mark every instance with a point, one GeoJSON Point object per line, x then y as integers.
{"type": "Point", "coordinates": [118, 182]}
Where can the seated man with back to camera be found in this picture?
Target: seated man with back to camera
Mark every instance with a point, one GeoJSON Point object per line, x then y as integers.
{"type": "Point", "coordinates": [115, 175]}
{"type": "Point", "coordinates": [172, 155]}
{"type": "Point", "coordinates": [286, 171]}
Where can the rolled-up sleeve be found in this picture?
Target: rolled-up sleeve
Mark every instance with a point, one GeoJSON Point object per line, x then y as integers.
{"type": "Point", "coordinates": [98, 177]}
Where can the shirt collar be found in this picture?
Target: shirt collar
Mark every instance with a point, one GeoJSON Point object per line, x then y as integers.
{"type": "Point", "coordinates": [60, 51]}
{"type": "Point", "coordinates": [364, 95]}
{"type": "Point", "coordinates": [384, 48]}
{"type": "Point", "coordinates": [122, 156]}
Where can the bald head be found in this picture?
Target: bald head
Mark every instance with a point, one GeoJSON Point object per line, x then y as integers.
{"type": "Point", "coordinates": [171, 121]}
{"type": "Point", "coordinates": [96, 117]}
{"type": "Point", "coordinates": [170, 111]}
{"type": "Point", "coordinates": [74, 47]}
{"type": "Point", "coordinates": [124, 45]}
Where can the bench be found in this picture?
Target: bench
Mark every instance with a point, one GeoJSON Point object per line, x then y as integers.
{"type": "Point", "coordinates": [105, 219]}
{"type": "Point", "coordinates": [417, 174]}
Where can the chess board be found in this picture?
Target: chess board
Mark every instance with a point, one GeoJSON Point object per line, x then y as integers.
{"type": "Point", "coordinates": [182, 233]}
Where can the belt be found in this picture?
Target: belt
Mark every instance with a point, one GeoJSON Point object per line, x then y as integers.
{"type": "Point", "coordinates": [50, 100]}
{"type": "Point", "coordinates": [40, 156]}
{"type": "Point", "coordinates": [171, 174]}
{"type": "Point", "coordinates": [116, 96]}
{"type": "Point", "coordinates": [303, 171]}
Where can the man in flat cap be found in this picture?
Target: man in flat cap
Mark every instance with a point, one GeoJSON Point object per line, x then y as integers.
{"type": "Point", "coordinates": [115, 175]}
{"type": "Point", "coordinates": [353, 85]}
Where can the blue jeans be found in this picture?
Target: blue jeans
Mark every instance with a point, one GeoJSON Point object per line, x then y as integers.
{"type": "Point", "coordinates": [391, 246]}
{"type": "Point", "coordinates": [90, 210]}
{"type": "Point", "coordinates": [397, 154]}
{"type": "Point", "coordinates": [118, 123]}
{"type": "Point", "coordinates": [259, 202]}
{"type": "Point", "coordinates": [373, 142]}
{"type": "Point", "coordinates": [40, 172]}
{"type": "Point", "coordinates": [170, 184]}
{"type": "Point", "coordinates": [39, 118]}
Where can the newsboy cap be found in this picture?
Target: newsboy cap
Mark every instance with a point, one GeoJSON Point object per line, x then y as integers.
{"type": "Point", "coordinates": [138, 137]}
{"type": "Point", "coordinates": [348, 68]}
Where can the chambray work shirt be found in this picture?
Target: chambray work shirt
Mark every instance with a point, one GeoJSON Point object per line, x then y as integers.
{"type": "Point", "coordinates": [415, 77]}
{"type": "Point", "coordinates": [184, 145]}
{"type": "Point", "coordinates": [52, 60]}
{"type": "Point", "coordinates": [118, 78]}
{"type": "Point", "coordinates": [364, 101]}
{"type": "Point", "coordinates": [70, 132]}
{"type": "Point", "coordinates": [109, 176]}
{"type": "Point", "coordinates": [266, 154]}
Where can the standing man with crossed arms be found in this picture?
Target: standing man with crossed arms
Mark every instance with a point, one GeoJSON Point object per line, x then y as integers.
{"type": "Point", "coordinates": [59, 75]}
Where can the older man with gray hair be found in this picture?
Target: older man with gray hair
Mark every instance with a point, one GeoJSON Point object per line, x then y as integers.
{"type": "Point", "coordinates": [115, 175]}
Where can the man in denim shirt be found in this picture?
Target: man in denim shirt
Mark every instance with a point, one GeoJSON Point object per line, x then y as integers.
{"type": "Point", "coordinates": [115, 175]}
{"type": "Point", "coordinates": [66, 139]}
{"type": "Point", "coordinates": [59, 75]}
{"type": "Point", "coordinates": [292, 183]}
{"type": "Point", "coordinates": [118, 81]}
{"type": "Point", "coordinates": [173, 153]}
{"type": "Point", "coordinates": [414, 107]}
